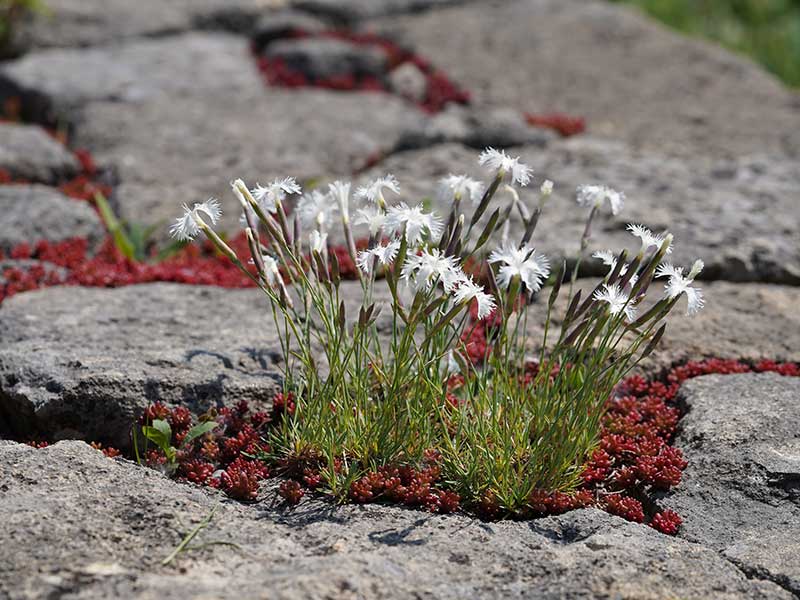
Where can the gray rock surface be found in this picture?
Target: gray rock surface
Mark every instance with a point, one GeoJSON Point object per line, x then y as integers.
{"type": "Point", "coordinates": [596, 59]}
{"type": "Point", "coordinates": [352, 11]}
{"type": "Point", "coordinates": [90, 22]}
{"type": "Point", "coordinates": [476, 128]}
{"type": "Point", "coordinates": [34, 212]}
{"type": "Point", "coordinates": [79, 524]}
{"type": "Point", "coordinates": [82, 361]}
{"type": "Point", "coordinates": [739, 215]}
{"type": "Point", "coordinates": [740, 492]}
{"type": "Point", "coordinates": [408, 81]}
{"type": "Point", "coordinates": [193, 64]}
{"type": "Point", "coordinates": [324, 58]}
{"type": "Point", "coordinates": [178, 118]}
{"type": "Point", "coordinates": [27, 152]}
{"type": "Point", "coordinates": [278, 24]}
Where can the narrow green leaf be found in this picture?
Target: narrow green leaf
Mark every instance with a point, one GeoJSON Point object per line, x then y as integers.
{"type": "Point", "coordinates": [198, 430]}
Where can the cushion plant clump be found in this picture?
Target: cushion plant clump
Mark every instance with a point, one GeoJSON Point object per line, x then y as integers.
{"type": "Point", "coordinates": [368, 409]}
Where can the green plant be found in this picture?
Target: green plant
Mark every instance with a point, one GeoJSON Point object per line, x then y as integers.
{"type": "Point", "coordinates": [133, 240]}
{"type": "Point", "coordinates": [502, 428]}
{"type": "Point", "coordinates": [160, 433]}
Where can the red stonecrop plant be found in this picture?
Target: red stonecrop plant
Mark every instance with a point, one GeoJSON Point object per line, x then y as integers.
{"type": "Point", "coordinates": [633, 460]}
{"type": "Point", "coordinates": [225, 457]}
{"type": "Point", "coordinates": [565, 125]}
{"type": "Point", "coordinates": [439, 89]}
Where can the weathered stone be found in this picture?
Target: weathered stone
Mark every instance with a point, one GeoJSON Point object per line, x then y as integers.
{"type": "Point", "coordinates": [323, 58]}
{"type": "Point", "coordinates": [352, 11]}
{"type": "Point", "coordinates": [89, 22]}
{"type": "Point", "coordinates": [408, 81]}
{"type": "Point", "coordinates": [743, 225]}
{"type": "Point", "coordinates": [76, 522]}
{"type": "Point", "coordinates": [82, 361]}
{"type": "Point", "coordinates": [279, 24]}
{"type": "Point", "coordinates": [178, 118]}
{"type": "Point", "coordinates": [740, 492]}
{"type": "Point", "coordinates": [475, 128]}
{"type": "Point", "coordinates": [35, 212]}
{"type": "Point", "coordinates": [596, 59]}
{"type": "Point", "coordinates": [27, 152]}
{"type": "Point", "coordinates": [166, 69]}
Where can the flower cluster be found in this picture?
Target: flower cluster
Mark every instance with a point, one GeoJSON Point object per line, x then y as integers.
{"type": "Point", "coordinates": [452, 372]}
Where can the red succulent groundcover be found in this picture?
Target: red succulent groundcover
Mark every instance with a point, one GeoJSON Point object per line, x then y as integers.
{"type": "Point", "coordinates": [633, 461]}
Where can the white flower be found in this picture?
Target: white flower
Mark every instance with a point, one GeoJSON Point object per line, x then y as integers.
{"type": "Point", "coordinates": [415, 222]}
{"type": "Point", "coordinates": [610, 259]}
{"type": "Point", "coordinates": [269, 196]}
{"type": "Point", "coordinates": [187, 226]}
{"type": "Point", "coordinates": [524, 263]}
{"type": "Point", "coordinates": [373, 192]}
{"type": "Point", "coordinates": [499, 162]}
{"type": "Point", "coordinates": [384, 254]}
{"type": "Point", "coordinates": [547, 187]}
{"type": "Point", "coordinates": [648, 238]}
{"type": "Point", "coordinates": [617, 301]}
{"type": "Point", "coordinates": [340, 190]}
{"type": "Point", "coordinates": [271, 270]}
{"type": "Point", "coordinates": [316, 209]}
{"type": "Point", "coordinates": [458, 187]}
{"type": "Point", "coordinates": [596, 195]}
{"type": "Point", "coordinates": [373, 218]}
{"type": "Point", "coordinates": [425, 269]}
{"type": "Point", "coordinates": [468, 290]}
{"type": "Point", "coordinates": [678, 284]}
{"type": "Point", "coordinates": [317, 241]}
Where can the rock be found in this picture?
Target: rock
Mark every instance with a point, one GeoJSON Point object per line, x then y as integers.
{"type": "Point", "coordinates": [323, 58]}
{"type": "Point", "coordinates": [34, 212]}
{"type": "Point", "coordinates": [84, 361]}
{"type": "Point", "coordinates": [595, 59]}
{"type": "Point", "coordinates": [27, 152]}
{"type": "Point", "coordinates": [408, 81]}
{"type": "Point", "coordinates": [92, 22]}
{"type": "Point", "coordinates": [76, 521]}
{"type": "Point", "coordinates": [168, 69]}
{"type": "Point", "coordinates": [742, 226]}
{"type": "Point", "coordinates": [500, 128]}
{"type": "Point", "coordinates": [281, 23]}
{"type": "Point", "coordinates": [476, 128]}
{"type": "Point", "coordinates": [352, 11]}
{"type": "Point", "coordinates": [178, 118]}
{"type": "Point", "coordinates": [208, 142]}
{"type": "Point", "coordinates": [740, 492]}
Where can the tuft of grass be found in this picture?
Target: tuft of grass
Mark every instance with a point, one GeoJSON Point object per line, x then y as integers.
{"type": "Point", "coordinates": [766, 30]}
{"type": "Point", "coordinates": [504, 431]}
